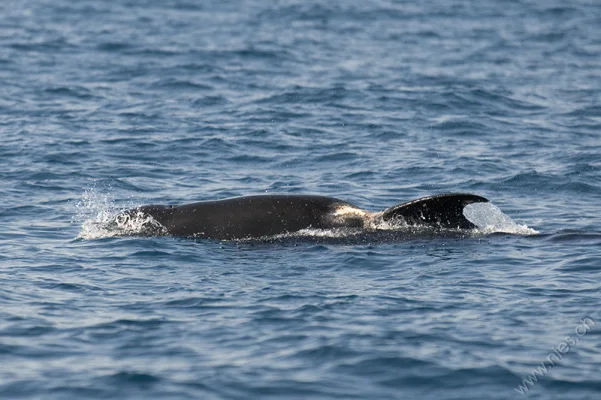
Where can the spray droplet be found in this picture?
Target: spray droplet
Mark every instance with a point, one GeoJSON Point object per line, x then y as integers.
{"type": "Point", "coordinates": [490, 219]}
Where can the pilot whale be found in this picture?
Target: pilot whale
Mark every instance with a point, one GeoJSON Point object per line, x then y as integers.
{"type": "Point", "coordinates": [274, 214]}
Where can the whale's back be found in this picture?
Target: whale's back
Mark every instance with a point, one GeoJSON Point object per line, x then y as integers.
{"type": "Point", "coordinates": [250, 216]}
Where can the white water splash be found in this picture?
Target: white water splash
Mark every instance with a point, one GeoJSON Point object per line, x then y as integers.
{"type": "Point", "coordinates": [94, 211]}
{"type": "Point", "coordinates": [326, 233]}
{"type": "Point", "coordinates": [101, 218]}
{"type": "Point", "coordinates": [490, 219]}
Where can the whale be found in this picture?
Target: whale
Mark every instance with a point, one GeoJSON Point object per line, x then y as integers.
{"type": "Point", "coordinates": [266, 215]}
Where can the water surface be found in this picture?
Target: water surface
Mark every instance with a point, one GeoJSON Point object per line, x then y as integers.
{"type": "Point", "coordinates": [110, 105]}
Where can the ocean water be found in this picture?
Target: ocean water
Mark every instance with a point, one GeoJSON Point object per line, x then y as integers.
{"type": "Point", "coordinates": [110, 105]}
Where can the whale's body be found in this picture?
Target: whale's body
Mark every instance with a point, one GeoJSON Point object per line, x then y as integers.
{"type": "Point", "coordinates": [269, 215]}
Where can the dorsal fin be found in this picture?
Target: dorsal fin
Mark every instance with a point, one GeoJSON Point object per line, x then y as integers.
{"type": "Point", "coordinates": [442, 211]}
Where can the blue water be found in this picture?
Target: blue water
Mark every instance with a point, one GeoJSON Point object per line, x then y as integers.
{"type": "Point", "coordinates": [109, 105]}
